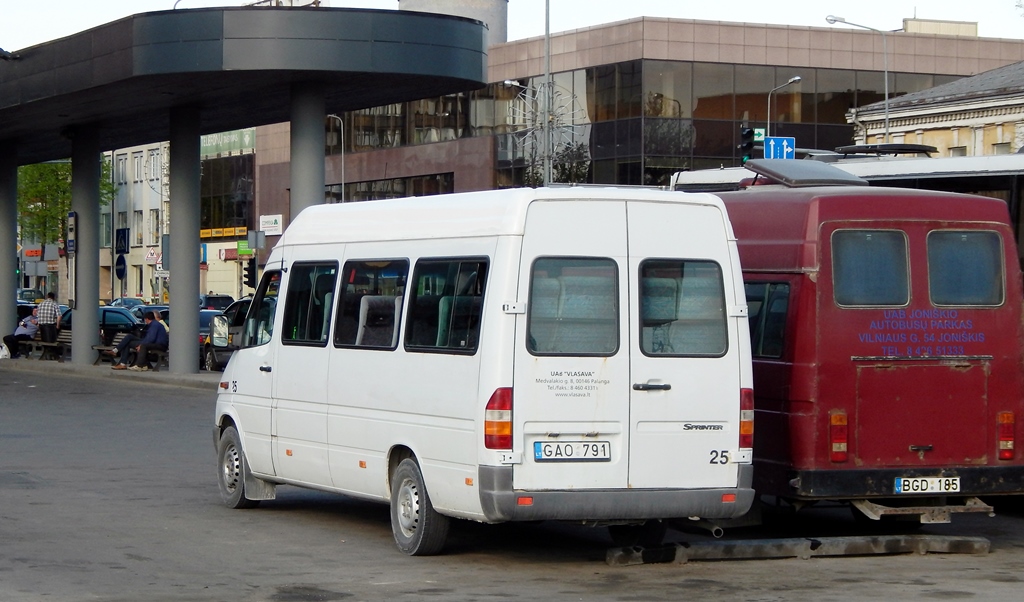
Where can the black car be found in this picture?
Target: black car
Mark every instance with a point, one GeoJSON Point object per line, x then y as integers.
{"type": "Point", "coordinates": [218, 302]}
{"type": "Point", "coordinates": [112, 321]}
{"type": "Point", "coordinates": [217, 357]}
{"type": "Point", "coordinates": [139, 311]}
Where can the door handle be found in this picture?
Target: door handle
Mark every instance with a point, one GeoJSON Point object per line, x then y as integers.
{"type": "Point", "coordinates": [920, 448]}
{"type": "Point", "coordinates": [265, 369]}
{"type": "Point", "coordinates": [651, 387]}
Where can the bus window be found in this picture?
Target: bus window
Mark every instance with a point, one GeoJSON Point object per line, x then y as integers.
{"type": "Point", "coordinates": [307, 307]}
{"type": "Point", "coordinates": [869, 268]}
{"type": "Point", "coordinates": [682, 307]}
{"type": "Point", "coordinates": [965, 267]}
{"type": "Point", "coordinates": [259, 325]}
{"type": "Point", "coordinates": [767, 304]}
{"type": "Point", "coordinates": [446, 304]}
{"type": "Point", "coordinates": [370, 307]}
{"type": "Point", "coordinates": [573, 307]}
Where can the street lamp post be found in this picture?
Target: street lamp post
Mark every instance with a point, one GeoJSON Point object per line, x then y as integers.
{"type": "Point", "coordinates": [768, 126]}
{"type": "Point", "coordinates": [341, 128]}
{"type": "Point", "coordinates": [832, 20]}
{"type": "Point", "coordinates": [550, 92]}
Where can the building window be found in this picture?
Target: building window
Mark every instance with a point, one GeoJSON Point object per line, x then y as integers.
{"type": "Point", "coordinates": [105, 234]}
{"type": "Point", "coordinates": [139, 229]}
{"type": "Point", "coordinates": [137, 172]}
{"type": "Point", "coordinates": [958, 151]}
{"type": "Point", "coordinates": [227, 193]}
{"type": "Point", "coordinates": [154, 166]}
{"type": "Point", "coordinates": [121, 171]}
{"type": "Point", "coordinates": [154, 226]}
{"type": "Point", "coordinates": [122, 219]}
{"type": "Point", "coordinates": [139, 279]}
{"type": "Point", "coordinates": [1003, 148]}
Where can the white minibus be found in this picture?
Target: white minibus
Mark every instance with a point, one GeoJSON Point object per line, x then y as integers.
{"type": "Point", "coordinates": [574, 354]}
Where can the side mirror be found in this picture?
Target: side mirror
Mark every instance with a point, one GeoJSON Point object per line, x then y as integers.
{"type": "Point", "coordinates": [219, 331]}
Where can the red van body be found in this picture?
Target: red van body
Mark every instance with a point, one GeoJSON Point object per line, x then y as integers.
{"type": "Point", "coordinates": [887, 343]}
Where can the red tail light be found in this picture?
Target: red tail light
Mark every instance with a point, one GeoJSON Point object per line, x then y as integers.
{"type": "Point", "coordinates": [746, 418]}
{"type": "Point", "coordinates": [498, 420]}
{"type": "Point", "coordinates": [1005, 424]}
{"type": "Point", "coordinates": [838, 436]}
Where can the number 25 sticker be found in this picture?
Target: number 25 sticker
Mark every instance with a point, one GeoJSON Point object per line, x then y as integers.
{"type": "Point", "coordinates": [719, 456]}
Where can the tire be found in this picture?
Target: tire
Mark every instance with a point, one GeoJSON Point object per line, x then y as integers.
{"type": "Point", "coordinates": [211, 362]}
{"type": "Point", "coordinates": [419, 530]}
{"type": "Point", "coordinates": [231, 467]}
{"type": "Point", "coordinates": [650, 534]}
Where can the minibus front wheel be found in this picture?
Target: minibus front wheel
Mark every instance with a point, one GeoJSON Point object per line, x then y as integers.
{"type": "Point", "coordinates": [419, 530]}
{"type": "Point", "coordinates": [231, 473]}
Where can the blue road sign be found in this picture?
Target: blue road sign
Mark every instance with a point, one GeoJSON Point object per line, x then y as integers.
{"type": "Point", "coordinates": [777, 147]}
{"type": "Point", "coordinates": [121, 241]}
{"type": "Point", "coordinates": [120, 267]}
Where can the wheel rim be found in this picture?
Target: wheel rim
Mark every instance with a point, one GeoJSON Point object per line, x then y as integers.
{"type": "Point", "coordinates": [231, 468]}
{"type": "Point", "coordinates": [210, 360]}
{"type": "Point", "coordinates": [408, 507]}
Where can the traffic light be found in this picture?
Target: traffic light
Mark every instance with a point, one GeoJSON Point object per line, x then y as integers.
{"type": "Point", "coordinates": [746, 144]}
{"type": "Point", "coordinates": [250, 273]}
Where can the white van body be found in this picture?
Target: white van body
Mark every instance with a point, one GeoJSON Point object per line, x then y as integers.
{"type": "Point", "coordinates": [611, 323]}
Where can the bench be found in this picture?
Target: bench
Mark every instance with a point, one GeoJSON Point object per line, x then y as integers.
{"type": "Point", "coordinates": [159, 358]}
{"type": "Point", "coordinates": [57, 350]}
{"type": "Point", "coordinates": [102, 349]}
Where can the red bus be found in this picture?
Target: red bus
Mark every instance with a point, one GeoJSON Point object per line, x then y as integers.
{"type": "Point", "coordinates": [887, 340]}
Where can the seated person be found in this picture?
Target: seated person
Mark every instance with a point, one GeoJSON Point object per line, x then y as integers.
{"type": "Point", "coordinates": [154, 338]}
{"type": "Point", "coordinates": [26, 331]}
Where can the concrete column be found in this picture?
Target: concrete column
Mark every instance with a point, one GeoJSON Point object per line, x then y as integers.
{"type": "Point", "coordinates": [85, 276]}
{"type": "Point", "coordinates": [184, 251]}
{"type": "Point", "coordinates": [8, 232]}
{"type": "Point", "coordinates": [307, 146]}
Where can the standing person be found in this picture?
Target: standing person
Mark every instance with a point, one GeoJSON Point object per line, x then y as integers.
{"type": "Point", "coordinates": [154, 339]}
{"type": "Point", "coordinates": [26, 331]}
{"type": "Point", "coordinates": [49, 318]}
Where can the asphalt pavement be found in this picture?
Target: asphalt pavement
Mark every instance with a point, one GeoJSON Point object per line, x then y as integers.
{"type": "Point", "coordinates": [199, 380]}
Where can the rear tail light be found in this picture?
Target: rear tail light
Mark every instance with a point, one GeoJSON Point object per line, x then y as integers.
{"type": "Point", "coordinates": [1005, 424]}
{"type": "Point", "coordinates": [498, 420]}
{"type": "Point", "coordinates": [838, 434]}
{"type": "Point", "coordinates": [746, 418]}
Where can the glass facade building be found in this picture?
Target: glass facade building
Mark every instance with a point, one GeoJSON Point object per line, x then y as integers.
{"type": "Point", "coordinates": [629, 123]}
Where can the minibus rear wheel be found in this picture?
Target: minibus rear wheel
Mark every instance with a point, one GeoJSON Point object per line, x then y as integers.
{"type": "Point", "coordinates": [419, 530]}
{"type": "Point", "coordinates": [231, 473]}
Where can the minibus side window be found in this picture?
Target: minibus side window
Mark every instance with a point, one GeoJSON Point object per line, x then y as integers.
{"type": "Point", "coordinates": [445, 305]}
{"type": "Point", "coordinates": [682, 308]}
{"type": "Point", "coordinates": [869, 268]}
{"type": "Point", "coordinates": [259, 323]}
{"type": "Point", "coordinates": [573, 307]}
{"type": "Point", "coordinates": [370, 305]}
{"type": "Point", "coordinates": [767, 305]}
{"type": "Point", "coordinates": [965, 267]}
{"type": "Point", "coordinates": [307, 307]}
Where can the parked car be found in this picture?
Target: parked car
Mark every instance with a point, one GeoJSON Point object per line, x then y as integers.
{"type": "Point", "coordinates": [140, 310]}
{"type": "Point", "coordinates": [30, 295]}
{"type": "Point", "coordinates": [217, 357]}
{"type": "Point", "coordinates": [126, 302]}
{"type": "Point", "coordinates": [205, 316]}
{"type": "Point", "coordinates": [112, 321]}
{"type": "Point", "coordinates": [218, 302]}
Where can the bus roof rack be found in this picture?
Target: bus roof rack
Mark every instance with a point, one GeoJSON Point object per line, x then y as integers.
{"type": "Point", "coordinates": [800, 174]}
{"type": "Point", "coordinates": [896, 148]}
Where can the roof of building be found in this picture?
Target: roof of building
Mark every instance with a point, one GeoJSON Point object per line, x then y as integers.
{"type": "Point", "coordinates": [237, 65]}
{"type": "Point", "coordinates": [1001, 81]}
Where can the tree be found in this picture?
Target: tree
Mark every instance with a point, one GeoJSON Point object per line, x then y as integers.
{"type": "Point", "coordinates": [44, 199]}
